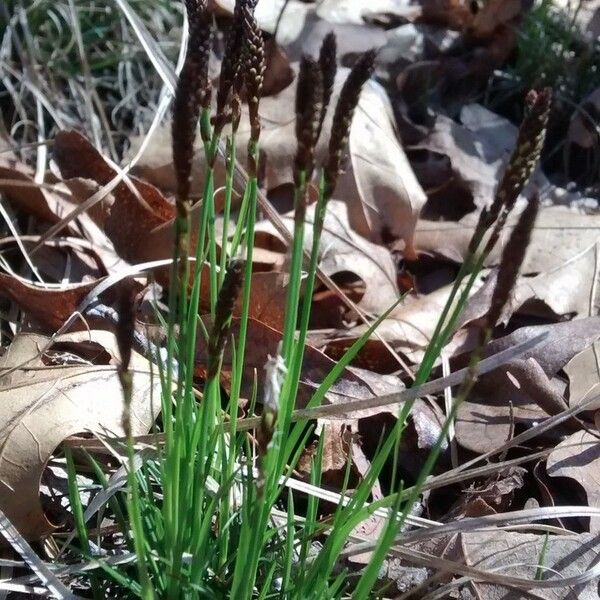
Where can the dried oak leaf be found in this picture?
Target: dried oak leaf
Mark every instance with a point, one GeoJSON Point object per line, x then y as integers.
{"type": "Point", "coordinates": [568, 290]}
{"type": "Point", "coordinates": [578, 457]}
{"type": "Point", "coordinates": [408, 329]}
{"type": "Point", "coordinates": [24, 194]}
{"type": "Point", "coordinates": [139, 213]}
{"type": "Point", "coordinates": [558, 236]}
{"type": "Point", "coordinates": [40, 406]}
{"type": "Point", "coordinates": [48, 307]}
{"type": "Point", "coordinates": [518, 555]}
{"type": "Point", "coordinates": [484, 422]}
{"type": "Point", "coordinates": [342, 250]}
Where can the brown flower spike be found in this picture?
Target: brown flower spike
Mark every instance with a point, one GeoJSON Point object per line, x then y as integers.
{"type": "Point", "coordinates": [512, 259]}
{"type": "Point", "coordinates": [254, 65]}
{"type": "Point", "coordinates": [342, 118]}
{"type": "Point", "coordinates": [523, 161]}
{"type": "Point", "coordinates": [228, 294]}
{"type": "Point", "coordinates": [192, 94]}
{"type": "Point", "coordinates": [230, 79]}
{"type": "Point", "coordinates": [309, 108]}
{"type": "Point", "coordinates": [328, 66]}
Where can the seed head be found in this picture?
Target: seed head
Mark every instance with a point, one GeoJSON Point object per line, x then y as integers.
{"type": "Point", "coordinates": [192, 94]}
{"type": "Point", "coordinates": [342, 118]}
{"type": "Point", "coordinates": [328, 66]}
{"type": "Point", "coordinates": [230, 80]}
{"type": "Point", "coordinates": [523, 161]}
{"type": "Point", "coordinates": [125, 331]}
{"type": "Point", "coordinates": [512, 259]}
{"type": "Point", "coordinates": [254, 65]}
{"type": "Point", "coordinates": [309, 107]}
{"type": "Point", "coordinates": [230, 290]}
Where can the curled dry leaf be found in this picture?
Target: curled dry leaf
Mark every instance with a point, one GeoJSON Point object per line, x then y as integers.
{"type": "Point", "coordinates": [40, 406]}
{"type": "Point", "coordinates": [460, 161]}
{"type": "Point", "coordinates": [344, 251]}
{"type": "Point", "coordinates": [389, 197]}
{"type": "Point", "coordinates": [18, 186]}
{"type": "Point", "coordinates": [578, 457]}
{"type": "Point", "coordinates": [139, 209]}
{"type": "Point", "coordinates": [48, 307]}
{"type": "Point", "coordinates": [569, 290]}
{"type": "Point", "coordinates": [518, 555]}
{"type": "Point", "coordinates": [559, 235]}
{"type": "Point", "coordinates": [484, 422]}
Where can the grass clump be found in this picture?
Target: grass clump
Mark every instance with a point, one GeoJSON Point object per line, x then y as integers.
{"type": "Point", "coordinates": [553, 51]}
{"type": "Point", "coordinates": [208, 511]}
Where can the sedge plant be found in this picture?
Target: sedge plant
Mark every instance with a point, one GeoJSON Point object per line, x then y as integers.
{"type": "Point", "coordinates": [204, 510]}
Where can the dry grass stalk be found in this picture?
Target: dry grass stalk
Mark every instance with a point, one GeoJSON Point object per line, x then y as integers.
{"type": "Point", "coordinates": [342, 118]}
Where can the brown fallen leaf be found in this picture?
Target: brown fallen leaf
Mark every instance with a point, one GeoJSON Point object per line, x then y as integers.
{"type": "Point", "coordinates": [484, 421]}
{"type": "Point", "coordinates": [578, 457]}
{"type": "Point", "coordinates": [568, 290]}
{"type": "Point", "coordinates": [464, 165]}
{"type": "Point", "coordinates": [48, 307]}
{"type": "Point", "coordinates": [518, 555]}
{"type": "Point", "coordinates": [408, 328]}
{"type": "Point", "coordinates": [18, 186]}
{"type": "Point", "coordinates": [139, 210]}
{"type": "Point", "coordinates": [560, 234]}
{"type": "Point", "coordinates": [480, 20]}
{"type": "Point", "coordinates": [342, 250]}
{"type": "Point", "coordinates": [41, 406]}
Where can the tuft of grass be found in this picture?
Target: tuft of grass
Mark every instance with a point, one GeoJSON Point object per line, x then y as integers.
{"type": "Point", "coordinates": [81, 62]}
{"type": "Point", "coordinates": [552, 52]}
{"type": "Point", "coordinates": [203, 510]}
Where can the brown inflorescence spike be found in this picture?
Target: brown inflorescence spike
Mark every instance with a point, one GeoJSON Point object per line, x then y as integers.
{"type": "Point", "coordinates": [192, 94]}
{"type": "Point", "coordinates": [230, 79]}
{"type": "Point", "coordinates": [254, 68]}
{"type": "Point", "coordinates": [328, 66]}
{"type": "Point", "coordinates": [512, 259]}
{"type": "Point", "coordinates": [342, 118]}
{"type": "Point", "coordinates": [309, 97]}
{"type": "Point", "coordinates": [523, 161]}
{"type": "Point", "coordinates": [125, 330]}
{"type": "Point", "coordinates": [228, 294]}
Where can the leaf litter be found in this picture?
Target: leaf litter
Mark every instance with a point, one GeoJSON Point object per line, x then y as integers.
{"type": "Point", "coordinates": [443, 162]}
